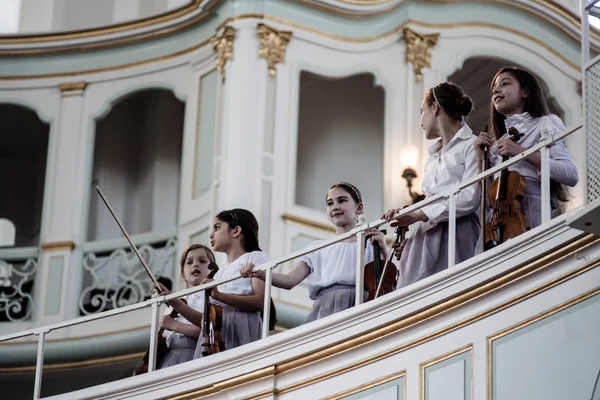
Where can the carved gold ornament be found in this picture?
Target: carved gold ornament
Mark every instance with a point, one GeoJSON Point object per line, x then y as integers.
{"type": "Point", "coordinates": [223, 46]}
{"type": "Point", "coordinates": [272, 46]}
{"type": "Point", "coordinates": [418, 50]}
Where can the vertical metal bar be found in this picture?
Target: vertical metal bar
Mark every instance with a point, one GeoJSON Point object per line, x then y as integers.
{"type": "Point", "coordinates": [267, 302]}
{"type": "Point", "coordinates": [585, 35]}
{"type": "Point", "coordinates": [37, 389]}
{"type": "Point", "coordinates": [452, 231]}
{"type": "Point", "coordinates": [360, 267]}
{"type": "Point", "coordinates": [545, 180]}
{"type": "Point", "coordinates": [153, 335]}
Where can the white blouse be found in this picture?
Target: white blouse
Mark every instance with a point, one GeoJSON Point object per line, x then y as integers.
{"type": "Point", "coordinates": [446, 167]}
{"type": "Point", "coordinates": [195, 301]}
{"type": "Point", "coordinates": [562, 167]}
{"type": "Point", "coordinates": [333, 264]}
{"type": "Point", "coordinates": [241, 286]}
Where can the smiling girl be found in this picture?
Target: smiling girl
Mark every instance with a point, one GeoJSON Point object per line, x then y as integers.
{"type": "Point", "coordinates": [331, 271]}
{"type": "Point", "coordinates": [518, 102]}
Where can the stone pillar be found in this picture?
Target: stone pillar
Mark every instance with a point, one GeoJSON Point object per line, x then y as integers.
{"type": "Point", "coordinates": [58, 275]}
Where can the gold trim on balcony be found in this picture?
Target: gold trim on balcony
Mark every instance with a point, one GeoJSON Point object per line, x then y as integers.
{"type": "Point", "coordinates": [369, 385]}
{"type": "Point", "coordinates": [425, 314]}
{"type": "Point", "coordinates": [439, 359]}
{"type": "Point", "coordinates": [310, 223]}
{"type": "Point", "coordinates": [77, 364]}
{"type": "Point", "coordinates": [525, 323]}
{"type": "Point", "coordinates": [67, 245]}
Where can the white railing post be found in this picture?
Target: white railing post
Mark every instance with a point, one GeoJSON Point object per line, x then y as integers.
{"type": "Point", "coordinates": [153, 334]}
{"type": "Point", "coordinates": [37, 388]}
{"type": "Point", "coordinates": [360, 267]}
{"type": "Point", "coordinates": [545, 179]}
{"type": "Point", "coordinates": [452, 231]}
{"type": "Point", "coordinates": [267, 302]}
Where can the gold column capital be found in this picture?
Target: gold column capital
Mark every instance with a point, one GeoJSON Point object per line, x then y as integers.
{"type": "Point", "coordinates": [223, 46]}
{"type": "Point", "coordinates": [272, 46]}
{"type": "Point", "coordinates": [67, 245]}
{"type": "Point", "coordinates": [67, 88]}
{"type": "Point", "coordinates": [418, 50]}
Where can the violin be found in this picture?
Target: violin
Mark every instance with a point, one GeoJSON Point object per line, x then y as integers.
{"type": "Point", "coordinates": [505, 195]}
{"type": "Point", "coordinates": [212, 323]}
{"type": "Point", "coordinates": [161, 349]}
{"type": "Point", "coordinates": [378, 280]}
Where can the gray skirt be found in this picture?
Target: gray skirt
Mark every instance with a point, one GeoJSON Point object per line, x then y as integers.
{"type": "Point", "coordinates": [332, 299]}
{"type": "Point", "coordinates": [181, 349]}
{"type": "Point", "coordinates": [239, 328]}
{"type": "Point", "coordinates": [426, 252]}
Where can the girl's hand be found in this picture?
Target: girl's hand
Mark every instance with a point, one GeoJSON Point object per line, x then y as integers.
{"type": "Point", "coordinates": [485, 139]}
{"type": "Point", "coordinates": [163, 291]}
{"type": "Point", "coordinates": [168, 323]}
{"type": "Point", "coordinates": [376, 236]}
{"type": "Point", "coordinates": [507, 147]}
{"type": "Point", "coordinates": [397, 248]}
{"type": "Point", "coordinates": [247, 272]}
{"type": "Point", "coordinates": [409, 219]}
{"type": "Point", "coordinates": [390, 214]}
{"type": "Point", "coordinates": [214, 292]}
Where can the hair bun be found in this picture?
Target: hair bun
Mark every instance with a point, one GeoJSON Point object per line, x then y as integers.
{"type": "Point", "coordinates": [465, 105]}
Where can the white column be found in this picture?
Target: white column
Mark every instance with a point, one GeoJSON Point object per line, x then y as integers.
{"type": "Point", "coordinates": [125, 10]}
{"type": "Point", "coordinates": [243, 121]}
{"type": "Point", "coordinates": [56, 300]}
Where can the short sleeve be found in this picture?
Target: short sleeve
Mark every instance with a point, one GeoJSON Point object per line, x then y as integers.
{"type": "Point", "coordinates": [258, 258]}
{"type": "Point", "coordinates": [310, 258]}
{"type": "Point", "coordinates": [196, 301]}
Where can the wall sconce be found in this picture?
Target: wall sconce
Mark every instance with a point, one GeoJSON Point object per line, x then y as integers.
{"type": "Point", "coordinates": [409, 160]}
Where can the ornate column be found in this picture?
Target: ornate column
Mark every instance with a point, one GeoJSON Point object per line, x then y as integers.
{"type": "Point", "coordinates": [418, 80]}
{"type": "Point", "coordinates": [56, 291]}
{"type": "Point", "coordinates": [247, 117]}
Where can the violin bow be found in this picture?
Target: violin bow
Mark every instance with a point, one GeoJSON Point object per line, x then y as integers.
{"type": "Point", "coordinates": [135, 250]}
{"type": "Point", "coordinates": [483, 193]}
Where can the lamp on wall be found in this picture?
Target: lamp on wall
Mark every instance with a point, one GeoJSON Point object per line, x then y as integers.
{"type": "Point", "coordinates": [409, 161]}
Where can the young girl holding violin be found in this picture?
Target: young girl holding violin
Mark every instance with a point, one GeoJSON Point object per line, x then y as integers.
{"type": "Point", "coordinates": [452, 160]}
{"type": "Point", "coordinates": [518, 102]}
{"type": "Point", "coordinates": [183, 331]}
{"type": "Point", "coordinates": [235, 233]}
{"type": "Point", "coordinates": [331, 271]}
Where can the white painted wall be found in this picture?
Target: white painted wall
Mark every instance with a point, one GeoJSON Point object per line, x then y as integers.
{"type": "Point", "coordinates": [340, 138]}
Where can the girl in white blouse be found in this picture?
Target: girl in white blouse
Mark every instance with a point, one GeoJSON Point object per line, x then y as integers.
{"type": "Point", "coordinates": [331, 271]}
{"type": "Point", "coordinates": [183, 331]}
{"type": "Point", "coordinates": [518, 101]}
{"type": "Point", "coordinates": [452, 160]}
{"type": "Point", "coordinates": [235, 233]}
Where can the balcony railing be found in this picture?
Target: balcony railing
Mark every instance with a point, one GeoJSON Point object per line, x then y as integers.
{"type": "Point", "coordinates": [113, 276]}
{"type": "Point", "coordinates": [18, 267]}
{"type": "Point", "coordinates": [359, 232]}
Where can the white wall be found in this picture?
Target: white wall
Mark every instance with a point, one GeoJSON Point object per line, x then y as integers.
{"type": "Point", "coordinates": [340, 138]}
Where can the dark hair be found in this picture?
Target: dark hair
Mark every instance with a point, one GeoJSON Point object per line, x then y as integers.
{"type": "Point", "coordinates": [247, 222]}
{"type": "Point", "coordinates": [209, 254]}
{"type": "Point", "coordinates": [535, 105]}
{"type": "Point", "coordinates": [349, 188]}
{"type": "Point", "coordinates": [535, 102]}
{"type": "Point", "coordinates": [451, 98]}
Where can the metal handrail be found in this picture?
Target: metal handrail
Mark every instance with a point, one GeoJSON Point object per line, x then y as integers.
{"type": "Point", "coordinates": [154, 303]}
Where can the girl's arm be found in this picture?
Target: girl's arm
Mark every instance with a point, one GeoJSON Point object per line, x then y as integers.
{"type": "Point", "coordinates": [252, 302]}
{"type": "Point", "coordinates": [283, 281]}
{"type": "Point", "coordinates": [188, 330]}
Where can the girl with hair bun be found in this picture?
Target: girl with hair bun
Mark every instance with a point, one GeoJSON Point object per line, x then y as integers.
{"type": "Point", "coordinates": [452, 160]}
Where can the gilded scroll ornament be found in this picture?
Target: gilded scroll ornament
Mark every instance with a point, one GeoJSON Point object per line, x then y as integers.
{"type": "Point", "coordinates": [418, 50]}
{"type": "Point", "coordinates": [272, 46]}
{"type": "Point", "coordinates": [223, 46]}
